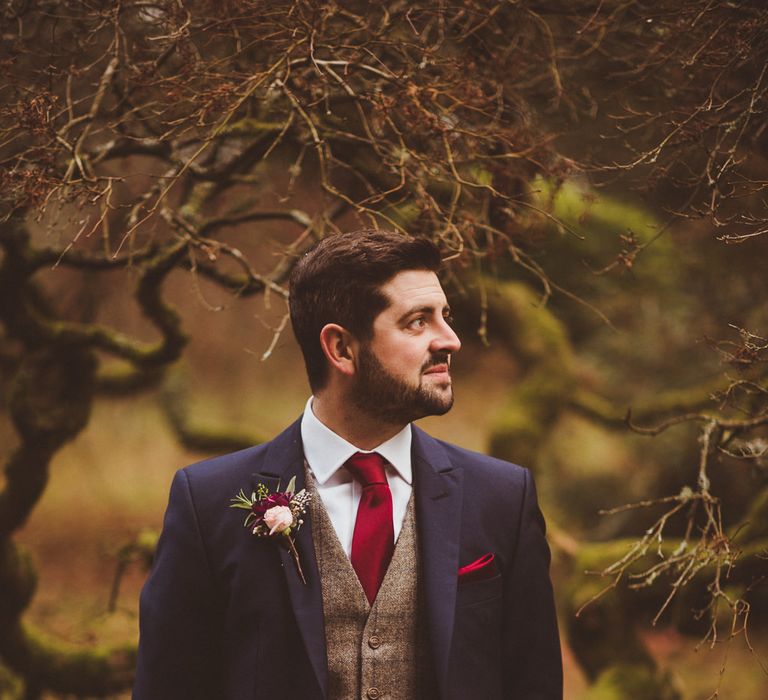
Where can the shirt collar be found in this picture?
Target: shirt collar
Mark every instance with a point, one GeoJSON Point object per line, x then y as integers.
{"type": "Point", "coordinates": [325, 451]}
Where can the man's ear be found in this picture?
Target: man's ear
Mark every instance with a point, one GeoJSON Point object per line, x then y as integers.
{"type": "Point", "coordinates": [339, 347]}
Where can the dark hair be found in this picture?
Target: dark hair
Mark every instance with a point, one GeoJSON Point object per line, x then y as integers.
{"type": "Point", "coordinates": [339, 281]}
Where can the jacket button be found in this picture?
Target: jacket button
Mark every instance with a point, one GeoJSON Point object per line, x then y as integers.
{"type": "Point", "coordinates": [374, 641]}
{"type": "Point", "coordinates": [373, 693]}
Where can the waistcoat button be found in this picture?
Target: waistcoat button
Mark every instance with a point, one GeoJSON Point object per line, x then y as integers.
{"type": "Point", "coordinates": [374, 641]}
{"type": "Point", "coordinates": [373, 693]}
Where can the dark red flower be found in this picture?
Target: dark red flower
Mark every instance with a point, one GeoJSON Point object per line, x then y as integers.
{"type": "Point", "coordinates": [274, 499]}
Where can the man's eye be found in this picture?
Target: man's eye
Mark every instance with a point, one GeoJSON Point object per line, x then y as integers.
{"type": "Point", "coordinates": [448, 319]}
{"type": "Point", "coordinates": [419, 322]}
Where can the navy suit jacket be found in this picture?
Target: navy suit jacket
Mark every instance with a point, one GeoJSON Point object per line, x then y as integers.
{"type": "Point", "coordinates": [225, 616]}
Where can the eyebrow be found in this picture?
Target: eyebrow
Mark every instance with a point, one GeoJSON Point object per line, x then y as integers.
{"type": "Point", "coordinates": [427, 308]}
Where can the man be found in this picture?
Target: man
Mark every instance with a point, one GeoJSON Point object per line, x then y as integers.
{"type": "Point", "coordinates": [420, 569]}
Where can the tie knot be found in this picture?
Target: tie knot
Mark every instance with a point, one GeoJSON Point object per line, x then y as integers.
{"type": "Point", "coordinates": [367, 468]}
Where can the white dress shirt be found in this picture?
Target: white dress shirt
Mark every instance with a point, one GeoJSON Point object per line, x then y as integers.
{"type": "Point", "coordinates": [326, 452]}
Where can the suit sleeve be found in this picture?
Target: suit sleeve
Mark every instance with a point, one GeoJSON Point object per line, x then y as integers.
{"type": "Point", "coordinates": [531, 640]}
{"type": "Point", "coordinates": [178, 643]}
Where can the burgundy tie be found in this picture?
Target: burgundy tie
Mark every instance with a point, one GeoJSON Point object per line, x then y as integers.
{"type": "Point", "coordinates": [373, 540]}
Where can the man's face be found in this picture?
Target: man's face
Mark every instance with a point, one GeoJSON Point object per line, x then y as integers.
{"type": "Point", "coordinates": [403, 371]}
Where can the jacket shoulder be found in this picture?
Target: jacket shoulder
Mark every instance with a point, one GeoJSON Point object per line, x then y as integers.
{"type": "Point", "coordinates": [213, 468]}
{"type": "Point", "coordinates": [476, 464]}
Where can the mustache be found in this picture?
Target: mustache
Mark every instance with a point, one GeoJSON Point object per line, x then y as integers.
{"type": "Point", "coordinates": [438, 358]}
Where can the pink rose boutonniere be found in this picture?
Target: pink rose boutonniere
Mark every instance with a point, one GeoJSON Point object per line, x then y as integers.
{"type": "Point", "coordinates": [276, 515]}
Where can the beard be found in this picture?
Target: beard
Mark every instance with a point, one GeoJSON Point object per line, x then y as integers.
{"type": "Point", "coordinates": [391, 399]}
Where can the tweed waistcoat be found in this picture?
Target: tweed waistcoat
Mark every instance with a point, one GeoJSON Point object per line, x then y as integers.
{"type": "Point", "coordinates": [373, 651]}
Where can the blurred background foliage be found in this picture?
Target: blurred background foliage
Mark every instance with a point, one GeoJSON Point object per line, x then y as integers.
{"type": "Point", "coordinates": [593, 171]}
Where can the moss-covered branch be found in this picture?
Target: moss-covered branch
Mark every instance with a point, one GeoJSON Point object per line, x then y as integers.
{"type": "Point", "coordinates": [18, 580]}
{"type": "Point", "coordinates": [128, 381]}
{"type": "Point", "coordinates": [23, 319]}
{"type": "Point", "coordinates": [49, 398]}
{"type": "Point", "coordinates": [11, 685]}
{"type": "Point", "coordinates": [194, 434]}
{"type": "Point", "coordinates": [139, 551]}
{"type": "Point", "coordinates": [665, 404]}
{"type": "Point", "coordinates": [49, 405]}
{"type": "Point", "coordinates": [538, 340]}
{"type": "Point", "coordinates": [63, 668]}
{"type": "Point", "coordinates": [86, 260]}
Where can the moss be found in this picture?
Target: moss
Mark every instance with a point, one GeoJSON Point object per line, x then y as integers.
{"type": "Point", "coordinates": [11, 686]}
{"type": "Point", "coordinates": [596, 556]}
{"type": "Point", "coordinates": [403, 214]}
{"type": "Point", "coordinates": [582, 481]}
{"type": "Point", "coordinates": [18, 579]}
{"type": "Point", "coordinates": [633, 682]}
{"type": "Point", "coordinates": [756, 521]}
{"type": "Point", "coordinates": [50, 397]}
{"type": "Point", "coordinates": [63, 668]}
{"type": "Point", "coordinates": [123, 380]}
{"type": "Point", "coordinates": [522, 425]}
{"type": "Point", "coordinates": [527, 328]}
{"type": "Point", "coordinates": [196, 200]}
{"type": "Point", "coordinates": [480, 175]}
{"type": "Point", "coordinates": [603, 633]}
{"type": "Point", "coordinates": [142, 548]}
{"type": "Point", "coordinates": [248, 126]}
{"type": "Point", "coordinates": [190, 430]}
{"type": "Point", "coordinates": [593, 230]}
{"type": "Point", "coordinates": [50, 401]}
{"type": "Point", "coordinates": [588, 212]}
{"type": "Point", "coordinates": [534, 336]}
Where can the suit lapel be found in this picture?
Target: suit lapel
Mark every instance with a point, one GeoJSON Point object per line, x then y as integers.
{"type": "Point", "coordinates": [283, 461]}
{"type": "Point", "coordinates": [438, 487]}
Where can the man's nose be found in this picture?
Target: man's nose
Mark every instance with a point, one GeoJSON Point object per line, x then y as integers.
{"type": "Point", "coordinates": [447, 340]}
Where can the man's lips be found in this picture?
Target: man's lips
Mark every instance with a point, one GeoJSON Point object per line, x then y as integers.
{"type": "Point", "coordinates": [438, 369]}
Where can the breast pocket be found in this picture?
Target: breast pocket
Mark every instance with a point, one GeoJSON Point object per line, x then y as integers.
{"type": "Point", "coordinates": [476, 592]}
{"type": "Point", "coordinates": [476, 651]}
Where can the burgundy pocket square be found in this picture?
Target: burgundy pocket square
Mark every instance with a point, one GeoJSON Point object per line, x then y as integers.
{"type": "Point", "coordinates": [479, 570]}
